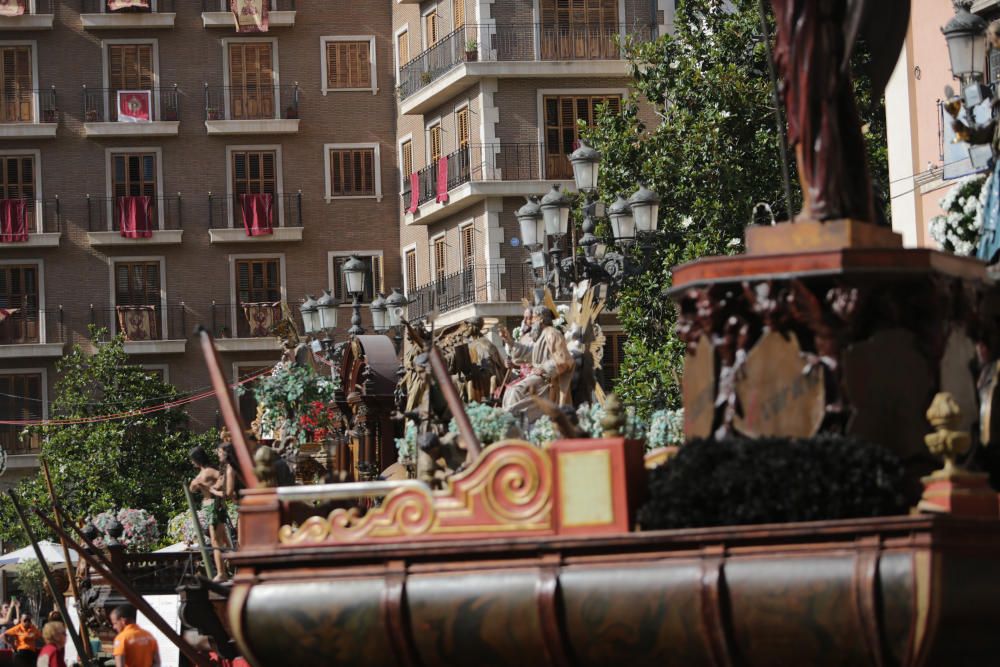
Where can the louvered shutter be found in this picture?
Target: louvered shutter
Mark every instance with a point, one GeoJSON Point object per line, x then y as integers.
{"type": "Point", "coordinates": [462, 121]}
{"type": "Point", "coordinates": [403, 47]}
{"type": "Point", "coordinates": [411, 270]}
{"type": "Point", "coordinates": [468, 247]}
{"type": "Point", "coordinates": [435, 140]}
{"type": "Point", "coordinates": [439, 258]}
{"type": "Point", "coordinates": [459, 14]}
{"type": "Point", "coordinates": [407, 152]}
{"type": "Point", "coordinates": [431, 28]}
{"type": "Point", "coordinates": [17, 84]}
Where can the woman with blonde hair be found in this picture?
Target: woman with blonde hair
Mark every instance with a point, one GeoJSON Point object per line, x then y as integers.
{"type": "Point", "coordinates": [54, 652]}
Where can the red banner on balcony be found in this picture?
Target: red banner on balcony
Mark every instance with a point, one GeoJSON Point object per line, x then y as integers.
{"type": "Point", "coordinates": [257, 211]}
{"type": "Point", "coordinates": [442, 184]}
{"type": "Point", "coordinates": [250, 15]}
{"type": "Point", "coordinates": [6, 313]}
{"type": "Point", "coordinates": [134, 106]}
{"type": "Point", "coordinates": [137, 322]}
{"type": "Point", "coordinates": [262, 317]}
{"type": "Point", "coordinates": [414, 193]}
{"type": "Point", "coordinates": [115, 5]}
{"type": "Point", "coordinates": [12, 7]}
{"type": "Point", "coordinates": [13, 221]}
{"type": "Point", "coordinates": [135, 220]}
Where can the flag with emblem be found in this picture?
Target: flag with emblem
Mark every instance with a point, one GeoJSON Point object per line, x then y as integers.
{"type": "Point", "coordinates": [134, 106]}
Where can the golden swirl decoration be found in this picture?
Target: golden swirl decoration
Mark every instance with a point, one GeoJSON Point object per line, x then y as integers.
{"type": "Point", "coordinates": [313, 529]}
{"type": "Point", "coordinates": [404, 512]}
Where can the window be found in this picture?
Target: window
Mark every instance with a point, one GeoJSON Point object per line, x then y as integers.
{"type": "Point", "coordinates": [251, 81]}
{"type": "Point", "coordinates": [373, 277]}
{"type": "Point", "coordinates": [406, 161]}
{"type": "Point", "coordinates": [434, 141]}
{"type": "Point", "coordinates": [19, 294]}
{"type": "Point", "coordinates": [258, 296]}
{"type": "Point", "coordinates": [138, 299]}
{"type": "Point", "coordinates": [459, 14]}
{"type": "Point", "coordinates": [582, 29]}
{"type": "Point", "coordinates": [349, 64]}
{"type": "Point", "coordinates": [130, 67]}
{"type": "Point", "coordinates": [21, 397]}
{"type": "Point", "coordinates": [611, 362]}
{"type": "Point", "coordinates": [134, 175]}
{"type": "Point", "coordinates": [462, 124]}
{"type": "Point", "coordinates": [468, 247]}
{"type": "Point", "coordinates": [247, 402]}
{"type": "Point", "coordinates": [254, 172]}
{"type": "Point", "coordinates": [439, 258]}
{"type": "Point", "coordinates": [352, 172]}
{"type": "Point", "coordinates": [561, 133]}
{"type": "Point", "coordinates": [17, 181]}
{"type": "Point", "coordinates": [431, 35]}
{"type": "Point", "coordinates": [403, 47]}
{"type": "Point", "coordinates": [16, 84]}
{"type": "Point", "coordinates": [410, 265]}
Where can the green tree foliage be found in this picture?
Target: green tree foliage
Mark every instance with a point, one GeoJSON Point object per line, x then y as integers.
{"type": "Point", "coordinates": [138, 462]}
{"type": "Point", "coordinates": [713, 155]}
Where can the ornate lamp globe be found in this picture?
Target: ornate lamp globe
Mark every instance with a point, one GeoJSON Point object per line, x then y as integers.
{"type": "Point", "coordinates": [645, 205]}
{"type": "Point", "coordinates": [354, 276]}
{"type": "Point", "coordinates": [378, 309]}
{"type": "Point", "coordinates": [309, 314]}
{"type": "Point", "coordinates": [622, 222]}
{"type": "Point", "coordinates": [555, 211]}
{"type": "Point", "coordinates": [586, 165]}
{"type": "Point", "coordinates": [396, 307]}
{"type": "Point", "coordinates": [966, 42]}
{"type": "Point", "coordinates": [326, 306]}
{"type": "Point", "coordinates": [529, 217]}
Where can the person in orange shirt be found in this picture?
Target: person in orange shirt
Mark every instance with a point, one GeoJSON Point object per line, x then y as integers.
{"type": "Point", "coordinates": [134, 647]}
{"type": "Point", "coordinates": [26, 638]}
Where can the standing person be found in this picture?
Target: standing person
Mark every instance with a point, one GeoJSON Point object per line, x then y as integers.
{"type": "Point", "coordinates": [134, 647]}
{"type": "Point", "coordinates": [53, 654]}
{"type": "Point", "coordinates": [26, 636]}
{"type": "Point", "coordinates": [8, 612]}
{"type": "Point", "coordinates": [215, 507]}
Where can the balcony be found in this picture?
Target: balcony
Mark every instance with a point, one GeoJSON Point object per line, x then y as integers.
{"type": "Point", "coordinates": [29, 332]}
{"type": "Point", "coordinates": [529, 50]}
{"type": "Point", "coordinates": [101, 114]}
{"type": "Point", "coordinates": [480, 171]}
{"type": "Point", "coordinates": [216, 14]}
{"type": "Point", "coordinates": [147, 329]}
{"type": "Point", "coordinates": [37, 16]}
{"type": "Point", "coordinates": [105, 217]}
{"type": "Point", "coordinates": [95, 16]}
{"type": "Point", "coordinates": [487, 290]}
{"type": "Point", "coordinates": [43, 226]}
{"type": "Point", "coordinates": [252, 109]}
{"type": "Point", "coordinates": [234, 332]}
{"type": "Point", "coordinates": [28, 114]}
{"type": "Point", "coordinates": [228, 223]}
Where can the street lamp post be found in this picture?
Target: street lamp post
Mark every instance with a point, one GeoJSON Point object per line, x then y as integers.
{"type": "Point", "coordinates": [388, 314]}
{"type": "Point", "coordinates": [354, 279]}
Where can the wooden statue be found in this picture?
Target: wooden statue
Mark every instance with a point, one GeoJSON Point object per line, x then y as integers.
{"type": "Point", "coordinates": [815, 42]}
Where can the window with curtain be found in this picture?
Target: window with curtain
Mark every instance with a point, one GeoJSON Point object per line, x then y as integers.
{"type": "Point", "coordinates": [17, 181]}
{"type": "Point", "coordinates": [258, 287]}
{"type": "Point", "coordinates": [16, 85]}
{"type": "Point", "coordinates": [130, 67]}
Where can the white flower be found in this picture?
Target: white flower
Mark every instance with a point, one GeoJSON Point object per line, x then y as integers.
{"type": "Point", "coordinates": [687, 221]}
{"type": "Point", "coordinates": [734, 242]}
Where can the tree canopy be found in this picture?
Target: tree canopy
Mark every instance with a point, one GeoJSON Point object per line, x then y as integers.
{"type": "Point", "coordinates": [713, 155]}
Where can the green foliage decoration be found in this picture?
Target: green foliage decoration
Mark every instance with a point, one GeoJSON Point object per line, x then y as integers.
{"type": "Point", "coordinates": [289, 392]}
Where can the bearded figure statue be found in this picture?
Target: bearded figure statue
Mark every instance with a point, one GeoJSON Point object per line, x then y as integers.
{"type": "Point", "coordinates": [547, 363]}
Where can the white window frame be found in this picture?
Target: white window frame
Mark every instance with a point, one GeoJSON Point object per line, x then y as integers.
{"type": "Point", "coordinates": [112, 261]}
{"type": "Point", "coordinates": [377, 167]}
{"type": "Point", "coordinates": [395, 47]}
{"type": "Point", "coordinates": [34, 72]}
{"type": "Point", "coordinates": [105, 80]}
{"type": "Point", "coordinates": [227, 79]}
{"type": "Point", "coordinates": [325, 41]}
{"type": "Point", "coordinates": [279, 180]}
{"type": "Point", "coordinates": [403, 178]}
{"type": "Point", "coordinates": [402, 255]}
{"type": "Point", "coordinates": [39, 199]}
{"type": "Point", "coordinates": [164, 368]}
{"type": "Point", "coordinates": [331, 254]}
{"type": "Point", "coordinates": [45, 383]}
{"type": "Point", "coordinates": [40, 264]}
{"type": "Point", "coordinates": [471, 222]}
{"type": "Point", "coordinates": [109, 181]}
{"type": "Point", "coordinates": [540, 107]}
{"type": "Point", "coordinates": [280, 256]}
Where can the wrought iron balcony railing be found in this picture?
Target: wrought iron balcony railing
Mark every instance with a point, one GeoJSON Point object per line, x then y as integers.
{"type": "Point", "coordinates": [40, 217]}
{"type": "Point", "coordinates": [20, 105]}
{"type": "Point", "coordinates": [254, 319]}
{"type": "Point", "coordinates": [226, 210]}
{"type": "Point", "coordinates": [36, 8]}
{"type": "Point", "coordinates": [100, 105]}
{"type": "Point", "coordinates": [223, 5]}
{"type": "Point", "coordinates": [139, 323]}
{"type": "Point", "coordinates": [480, 283]}
{"type": "Point", "coordinates": [105, 213]}
{"type": "Point", "coordinates": [24, 324]}
{"type": "Point", "coordinates": [257, 102]}
{"type": "Point", "coordinates": [101, 7]}
{"type": "Point", "coordinates": [518, 42]}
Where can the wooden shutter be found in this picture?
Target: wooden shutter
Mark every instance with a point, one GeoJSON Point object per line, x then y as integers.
{"type": "Point", "coordinates": [459, 12]}
{"type": "Point", "coordinates": [614, 355]}
{"type": "Point", "coordinates": [378, 282]}
{"type": "Point", "coordinates": [434, 133]}
{"type": "Point", "coordinates": [130, 66]}
{"type": "Point", "coordinates": [258, 280]}
{"type": "Point", "coordinates": [439, 259]}
{"type": "Point", "coordinates": [251, 80]}
{"type": "Point", "coordinates": [137, 284]}
{"type": "Point", "coordinates": [16, 84]}
{"type": "Point", "coordinates": [462, 122]}
{"type": "Point", "coordinates": [468, 247]}
{"type": "Point", "coordinates": [254, 172]}
{"type": "Point", "coordinates": [410, 262]}
{"type": "Point", "coordinates": [431, 28]}
{"type": "Point", "coordinates": [348, 65]}
{"type": "Point", "coordinates": [352, 172]}
{"type": "Point", "coordinates": [407, 160]}
{"type": "Point", "coordinates": [561, 132]}
{"type": "Point", "coordinates": [403, 47]}
{"type": "Point", "coordinates": [19, 290]}
{"type": "Point", "coordinates": [17, 181]}
{"type": "Point", "coordinates": [20, 399]}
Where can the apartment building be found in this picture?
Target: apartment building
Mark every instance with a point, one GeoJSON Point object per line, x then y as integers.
{"type": "Point", "coordinates": [489, 95]}
{"type": "Point", "coordinates": [263, 160]}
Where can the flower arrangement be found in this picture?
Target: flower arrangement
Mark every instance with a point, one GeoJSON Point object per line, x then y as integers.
{"type": "Point", "coordinates": [290, 391]}
{"type": "Point", "coordinates": [542, 432]}
{"type": "Point", "coordinates": [139, 529]}
{"type": "Point", "coordinates": [957, 230]}
{"type": "Point", "coordinates": [589, 416]}
{"type": "Point", "coordinates": [180, 528]}
{"type": "Point", "coordinates": [320, 419]}
{"type": "Point", "coordinates": [490, 424]}
{"type": "Point", "coordinates": [666, 429]}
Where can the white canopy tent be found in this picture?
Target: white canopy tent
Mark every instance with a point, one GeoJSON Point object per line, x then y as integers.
{"type": "Point", "coordinates": [51, 551]}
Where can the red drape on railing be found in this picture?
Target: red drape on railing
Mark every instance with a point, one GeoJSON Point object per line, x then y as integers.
{"type": "Point", "coordinates": [12, 7]}
{"type": "Point", "coordinates": [257, 211]}
{"type": "Point", "coordinates": [115, 5]}
{"type": "Point", "coordinates": [442, 184]}
{"type": "Point", "coordinates": [414, 192]}
{"type": "Point", "coordinates": [6, 313]}
{"type": "Point", "coordinates": [135, 220]}
{"type": "Point", "coordinates": [250, 15]}
{"type": "Point", "coordinates": [137, 322]}
{"type": "Point", "coordinates": [262, 317]}
{"type": "Point", "coordinates": [13, 221]}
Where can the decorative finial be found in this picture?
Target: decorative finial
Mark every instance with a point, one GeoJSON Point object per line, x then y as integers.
{"type": "Point", "coordinates": [614, 418]}
{"type": "Point", "coordinates": [947, 441]}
